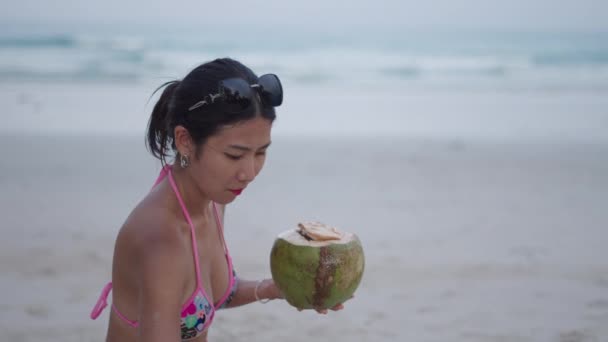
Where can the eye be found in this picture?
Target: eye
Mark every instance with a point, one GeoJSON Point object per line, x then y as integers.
{"type": "Point", "coordinates": [261, 153]}
{"type": "Point", "coordinates": [232, 156]}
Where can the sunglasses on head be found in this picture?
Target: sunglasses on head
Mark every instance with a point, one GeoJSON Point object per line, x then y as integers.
{"type": "Point", "coordinates": [236, 95]}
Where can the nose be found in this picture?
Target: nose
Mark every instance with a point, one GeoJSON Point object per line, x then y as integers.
{"type": "Point", "coordinates": [247, 171]}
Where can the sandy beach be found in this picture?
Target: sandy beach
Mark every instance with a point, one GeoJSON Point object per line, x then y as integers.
{"type": "Point", "coordinates": [464, 241]}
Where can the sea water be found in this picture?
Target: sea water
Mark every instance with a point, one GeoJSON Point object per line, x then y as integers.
{"type": "Point", "coordinates": [461, 84]}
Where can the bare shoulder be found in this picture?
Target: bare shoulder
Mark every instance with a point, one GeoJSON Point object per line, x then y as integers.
{"type": "Point", "coordinates": [151, 239]}
{"type": "Point", "coordinates": [150, 260]}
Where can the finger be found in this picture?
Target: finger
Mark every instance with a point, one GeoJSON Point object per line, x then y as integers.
{"type": "Point", "coordinates": [338, 307]}
{"type": "Point", "coordinates": [322, 311]}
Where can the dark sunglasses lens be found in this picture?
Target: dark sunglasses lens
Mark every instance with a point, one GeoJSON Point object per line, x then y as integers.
{"type": "Point", "coordinates": [236, 93]}
{"type": "Point", "coordinates": [272, 90]}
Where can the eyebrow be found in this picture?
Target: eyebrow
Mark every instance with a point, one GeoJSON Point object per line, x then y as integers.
{"type": "Point", "coordinates": [245, 148]}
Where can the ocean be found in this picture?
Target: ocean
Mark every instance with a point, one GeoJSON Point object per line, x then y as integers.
{"type": "Point", "coordinates": [515, 59]}
{"type": "Point", "coordinates": [461, 84]}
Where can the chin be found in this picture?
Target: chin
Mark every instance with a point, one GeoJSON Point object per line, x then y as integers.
{"type": "Point", "coordinates": [223, 200]}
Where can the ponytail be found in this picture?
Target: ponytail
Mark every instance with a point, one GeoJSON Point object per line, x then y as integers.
{"type": "Point", "coordinates": [159, 125]}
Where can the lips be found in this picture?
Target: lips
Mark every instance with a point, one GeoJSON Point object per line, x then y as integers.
{"type": "Point", "coordinates": [236, 191]}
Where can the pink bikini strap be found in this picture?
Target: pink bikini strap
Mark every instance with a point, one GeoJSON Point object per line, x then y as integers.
{"type": "Point", "coordinates": [163, 173]}
{"type": "Point", "coordinates": [192, 233]}
{"type": "Point", "coordinates": [102, 302]}
{"type": "Point", "coordinates": [220, 227]}
{"type": "Point", "coordinates": [134, 324]}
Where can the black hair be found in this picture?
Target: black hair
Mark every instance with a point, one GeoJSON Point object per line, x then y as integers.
{"type": "Point", "coordinates": [171, 109]}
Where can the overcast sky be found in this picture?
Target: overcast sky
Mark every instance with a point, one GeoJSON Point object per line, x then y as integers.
{"type": "Point", "coordinates": [316, 14]}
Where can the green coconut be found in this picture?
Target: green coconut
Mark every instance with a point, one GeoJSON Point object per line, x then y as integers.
{"type": "Point", "coordinates": [316, 266]}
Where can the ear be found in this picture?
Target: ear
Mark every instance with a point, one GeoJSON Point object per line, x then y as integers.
{"type": "Point", "coordinates": [183, 141]}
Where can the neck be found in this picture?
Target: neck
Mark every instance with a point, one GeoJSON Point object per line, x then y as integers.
{"type": "Point", "coordinates": [195, 200]}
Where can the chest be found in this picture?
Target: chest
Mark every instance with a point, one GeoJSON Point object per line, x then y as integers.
{"type": "Point", "coordinates": [207, 255]}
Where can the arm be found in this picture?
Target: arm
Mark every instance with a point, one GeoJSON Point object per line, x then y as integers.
{"type": "Point", "coordinates": [245, 292]}
{"type": "Point", "coordinates": [161, 283]}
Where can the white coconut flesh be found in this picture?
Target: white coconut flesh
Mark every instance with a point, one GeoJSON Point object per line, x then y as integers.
{"type": "Point", "coordinates": [316, 234]}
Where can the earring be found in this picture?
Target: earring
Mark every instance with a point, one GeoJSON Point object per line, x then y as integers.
{"type": "Point", "coordinates": [184, 161]}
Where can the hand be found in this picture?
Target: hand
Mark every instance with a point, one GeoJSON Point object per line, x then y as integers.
{"type": "Point", "coordinates": [336, 307]}
{"type": "Point", "coordinates": [268, 289]}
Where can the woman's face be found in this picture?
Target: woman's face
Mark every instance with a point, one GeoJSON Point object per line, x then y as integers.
{"type": "Point", "coordinates": [231, 159]}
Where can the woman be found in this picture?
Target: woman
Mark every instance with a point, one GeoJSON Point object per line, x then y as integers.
{"type": "Point", "coordinates": [171, 268]}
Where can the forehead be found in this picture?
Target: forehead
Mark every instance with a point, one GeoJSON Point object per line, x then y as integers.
{"type": "Point", "coordinates": [251, 133]}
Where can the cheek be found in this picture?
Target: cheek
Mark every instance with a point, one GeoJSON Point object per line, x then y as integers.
{"type": "Point", "coordinates": [225, 170]}
{"type": "Point", "coordinates": [213, 171]}
{"type": "Point", "coordinates": [259, 164]}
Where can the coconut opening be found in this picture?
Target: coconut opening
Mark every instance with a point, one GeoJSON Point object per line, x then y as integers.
{"type": "Point", "coordinates": [316, 234]}
{"type": "Point", "coordinates": [317, 231]}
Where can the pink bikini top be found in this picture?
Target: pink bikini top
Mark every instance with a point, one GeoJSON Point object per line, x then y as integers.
{"type": "Point", "coordinates": [198, 312]}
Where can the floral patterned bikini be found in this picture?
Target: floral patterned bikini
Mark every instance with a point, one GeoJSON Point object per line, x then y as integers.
{"type": "Point", "coordinates": [198, 312]}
